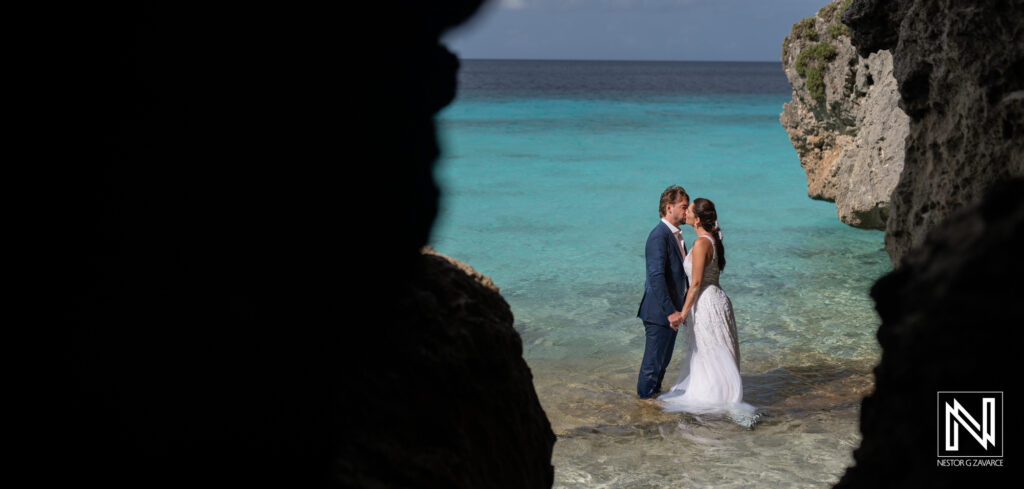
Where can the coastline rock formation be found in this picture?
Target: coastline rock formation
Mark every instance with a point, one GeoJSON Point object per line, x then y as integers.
{"type": "Point", "coordinates": [960, 71]}
{"type": "Point", "coordinates": [843, 121]}
{"type": "Point", "coordinates": [947, 314]}
{"type": "Point", "coordinates": [457, 406]}
{"type": "Point", "coordinates": [235, 221]}
{"type": "Point", "coordinates": [480, 278]}
{"type": "Point", "coordinates": [955, 231]}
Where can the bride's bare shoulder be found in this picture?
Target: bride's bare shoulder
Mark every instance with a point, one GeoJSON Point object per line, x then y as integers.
{"type": "Point", "coordinates": [702, 247]}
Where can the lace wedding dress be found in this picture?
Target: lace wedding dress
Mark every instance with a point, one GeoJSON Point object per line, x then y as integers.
{"type": "Point", "coordinates": [709, 380]}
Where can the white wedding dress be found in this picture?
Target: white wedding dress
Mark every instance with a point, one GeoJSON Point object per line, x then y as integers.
{"type": "Point", "coordinates": [709, 380]}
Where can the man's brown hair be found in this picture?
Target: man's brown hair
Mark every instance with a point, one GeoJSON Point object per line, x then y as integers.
{"type": "Point", "coordinates": [671, 195]}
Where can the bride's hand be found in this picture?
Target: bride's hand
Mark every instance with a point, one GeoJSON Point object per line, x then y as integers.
{"type": "Point", "coordinates": [674, 319]}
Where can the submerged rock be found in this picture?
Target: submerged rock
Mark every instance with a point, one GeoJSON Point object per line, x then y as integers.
{"type": "Point", "coordinates": [843, 121]}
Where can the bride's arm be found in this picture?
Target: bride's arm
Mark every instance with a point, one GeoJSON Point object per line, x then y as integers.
{"type": "Point", "coordinates": [698, 259]}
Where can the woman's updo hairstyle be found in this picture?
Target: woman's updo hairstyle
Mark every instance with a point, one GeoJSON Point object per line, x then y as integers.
{"type": "Point", "coordinates": [704, 210]}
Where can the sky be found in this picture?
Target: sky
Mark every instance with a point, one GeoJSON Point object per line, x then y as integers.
{"type": "Point", "coordinates": [671, 30]}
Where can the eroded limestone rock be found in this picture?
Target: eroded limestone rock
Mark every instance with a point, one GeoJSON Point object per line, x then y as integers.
{"type": "Point", "coordinates": [843, 121]}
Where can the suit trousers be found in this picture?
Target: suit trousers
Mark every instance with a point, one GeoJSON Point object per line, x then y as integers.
{"type": "Point", "coordinates": [657, 354]}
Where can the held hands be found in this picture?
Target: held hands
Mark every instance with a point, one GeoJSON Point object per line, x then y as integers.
{"type": "Point", "coordinates": [675, 319]}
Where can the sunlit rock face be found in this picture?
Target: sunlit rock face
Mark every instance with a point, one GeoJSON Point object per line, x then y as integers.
{"type": "Point", "coordinates": [960, 71]}
{"type": "Point", "coordinates": [843, 120]}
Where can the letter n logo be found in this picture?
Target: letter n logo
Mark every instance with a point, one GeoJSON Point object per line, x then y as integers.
{"type": "Point", "coordinates": [978, 414]}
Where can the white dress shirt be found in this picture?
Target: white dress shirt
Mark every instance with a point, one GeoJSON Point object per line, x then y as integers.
{"type": "Point", "coordinates": [676, 231]}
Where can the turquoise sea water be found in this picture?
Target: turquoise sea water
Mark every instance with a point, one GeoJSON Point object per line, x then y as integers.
{"type": "Point", "coordinates": [551, 174]}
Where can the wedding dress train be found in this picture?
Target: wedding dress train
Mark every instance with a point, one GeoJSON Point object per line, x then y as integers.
{"type": "Point", "coordinates": [709, 379]}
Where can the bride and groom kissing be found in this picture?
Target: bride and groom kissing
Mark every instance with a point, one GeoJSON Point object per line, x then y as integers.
{"type": "Point", "coordinates": [682, 292]}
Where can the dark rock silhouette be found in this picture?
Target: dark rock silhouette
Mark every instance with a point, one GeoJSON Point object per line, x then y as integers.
{"type": "Point", "coordinates": [239, 196]}
{"type": "Point", "coordinates": [955, 230]}
{"type": "Point", "coordinates": [458, 408]}
{"type": "Point", "coordinates": [948, 316]}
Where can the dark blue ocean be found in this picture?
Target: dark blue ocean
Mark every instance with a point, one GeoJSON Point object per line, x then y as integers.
{"type": "Point", "coordinates": [551, 173]}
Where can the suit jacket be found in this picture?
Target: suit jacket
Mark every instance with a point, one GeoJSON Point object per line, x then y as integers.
{"type": "Point", "coordinates": [666, 284]}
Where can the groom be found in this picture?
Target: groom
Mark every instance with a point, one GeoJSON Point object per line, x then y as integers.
{"type": "Point", "coordinates": [664, 290]}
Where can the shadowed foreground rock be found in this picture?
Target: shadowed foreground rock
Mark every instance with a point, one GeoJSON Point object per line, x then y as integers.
{"type": "Point", "coordinates": [950, 314]}
{"type": "Point", "coordinates": [950, 309]}
{"type": "Point", "coordinates": [236, 199]}
{"type": "Point", "coordinates": [455, 404]}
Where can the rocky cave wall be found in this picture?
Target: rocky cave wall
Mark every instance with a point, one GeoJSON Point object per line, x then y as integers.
{"type": "Point", "coordinates": [955, 231]}
{"type": "Point", "coordinates": [236, 199]}
{"type": "Point", "coordinates": [959, 67]}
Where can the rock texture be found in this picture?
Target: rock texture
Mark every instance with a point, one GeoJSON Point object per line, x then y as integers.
{"type": "Point", "coordinates": [960, 71]}
{"type": "Point", "coordinates": [480, 278]}
{"type": "Point", "coordinates": [955, 231]}
{"type": "Point", "coordinates": [843, 119]}
{"type": "Point", "coordinates": [236, 199]}
{"type": "Point", "coordinates": [455, 405]}
{"type": "Point", "coordinates": [948, 316]}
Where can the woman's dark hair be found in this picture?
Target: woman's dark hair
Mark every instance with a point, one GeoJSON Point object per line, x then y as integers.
{"type": "Point", "coordinates": [705, 210]}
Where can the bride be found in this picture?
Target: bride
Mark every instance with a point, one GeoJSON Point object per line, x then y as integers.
{"type": "Point", "coordinates": [709, 380]}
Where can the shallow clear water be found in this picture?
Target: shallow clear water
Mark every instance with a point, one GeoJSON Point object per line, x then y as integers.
{"type": "Point", "coordinates": [551, 173]}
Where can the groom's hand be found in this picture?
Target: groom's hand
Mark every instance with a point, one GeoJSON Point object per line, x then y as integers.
{"type": "Point", "coordinates": [674, 319]}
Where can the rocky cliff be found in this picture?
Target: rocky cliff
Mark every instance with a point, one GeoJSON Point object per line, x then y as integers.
{"type": "Point", "coordinates": [960, 71]}
{"type": "Point", "coordinates": [955, 231]}
{"type": "Point", "coordinates": [843, 119]}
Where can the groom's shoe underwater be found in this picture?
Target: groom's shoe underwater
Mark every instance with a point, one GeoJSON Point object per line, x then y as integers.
{"type": "Point", "coordinates": [652, 399]}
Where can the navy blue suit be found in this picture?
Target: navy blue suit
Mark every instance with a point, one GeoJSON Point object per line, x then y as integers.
{"type": "Point", "coordinates": [664, 294]}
